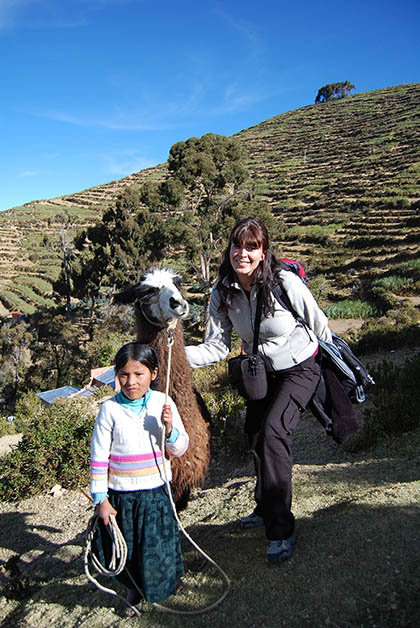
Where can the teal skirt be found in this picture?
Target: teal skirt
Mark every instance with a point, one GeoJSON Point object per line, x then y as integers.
{"type": "Point", "coordinates": [149, 527]}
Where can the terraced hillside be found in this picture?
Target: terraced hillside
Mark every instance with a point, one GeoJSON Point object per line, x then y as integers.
{"type": "Point", "coordinates": [343, 177]}
{"type": "Point", "coordinates": [27, 266]}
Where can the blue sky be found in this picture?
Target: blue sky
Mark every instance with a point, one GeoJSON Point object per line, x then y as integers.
{"type": "Point", "coordinates": [94, 90]}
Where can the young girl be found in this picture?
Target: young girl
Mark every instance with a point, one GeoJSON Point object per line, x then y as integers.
{"type": "Point", "coordinates": [127, 477]}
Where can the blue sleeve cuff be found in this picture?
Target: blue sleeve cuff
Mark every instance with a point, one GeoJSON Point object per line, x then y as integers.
{"type": "Point", "coordinates": [98, 498]}
{"type": "Point", "coordinates": [174, 435]}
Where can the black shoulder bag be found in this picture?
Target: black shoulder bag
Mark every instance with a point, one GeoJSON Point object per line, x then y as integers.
{"type": "Point", "coordinates": [247, 372]}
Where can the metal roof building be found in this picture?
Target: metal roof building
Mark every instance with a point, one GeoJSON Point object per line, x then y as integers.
{"type": "Point", "coordinates": [104, 378]}
{"type": "Point", "coordinates": [49, 396]}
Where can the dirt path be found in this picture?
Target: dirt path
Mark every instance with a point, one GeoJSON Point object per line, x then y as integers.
{"type": "Point", "coordinates": [344, 325]}
{"type": "Point", "coordinates": [8, 442]}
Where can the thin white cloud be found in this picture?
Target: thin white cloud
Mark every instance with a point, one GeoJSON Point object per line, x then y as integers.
{"type": "Point", "coordinates": [162, 114]}
{"type": "Point", "coordinates": [124, 163]}
{"type": "Point", "coordinates": [53, 13]}
{"type": "Point", "coordinates": [9, 11]}
{"type": "Point", "coordinates": [238, 99]}
{"type": "Point", "coordinates": [29, 173]}
{"type": "Point", "coordinates": [131, 121]}
{"type": "Point", "coordinates": [245, 29]}
{"type": "Point", "coordinates": [46, 14]}
{"type": "Point", "coordinates": [158, 114]}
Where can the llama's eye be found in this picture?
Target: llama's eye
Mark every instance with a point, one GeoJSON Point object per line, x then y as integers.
{"type": "Point", "coordinates": [177, 282]}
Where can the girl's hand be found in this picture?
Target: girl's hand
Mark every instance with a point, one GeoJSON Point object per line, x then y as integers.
{"type": "Point", "coordinates": [166, 419]}
{"type": "Point", "coordinates": [104, 510]}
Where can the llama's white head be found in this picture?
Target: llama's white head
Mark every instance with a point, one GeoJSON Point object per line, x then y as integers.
{"type": "Point", "coordinates": [159, 296]}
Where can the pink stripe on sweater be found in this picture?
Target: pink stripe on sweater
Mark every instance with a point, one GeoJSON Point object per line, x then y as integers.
{"type": "Point", "coordinates": [136, 458]}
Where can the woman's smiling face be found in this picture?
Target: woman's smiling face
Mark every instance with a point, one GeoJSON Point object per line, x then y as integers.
{"type": "Point", "coordinates": [245, 258]}
{"type": "Point", "coordinates": [135, 379]}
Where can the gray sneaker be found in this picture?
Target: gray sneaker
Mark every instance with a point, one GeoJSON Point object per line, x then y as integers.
{"type": "Point", "coordinates": [277, 551]}
{"type": "Point", "coordinates": [251, 521]}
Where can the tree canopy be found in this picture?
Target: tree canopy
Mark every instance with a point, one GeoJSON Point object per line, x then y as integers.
{"type": "Point", "coordinates": [211, 172]}
{"type": "Point", "coordinates": [116, 250]}
{"type": "Point", "coordinates": [186, 217]}
{"type": "Point", "coordinates": [333, 91]}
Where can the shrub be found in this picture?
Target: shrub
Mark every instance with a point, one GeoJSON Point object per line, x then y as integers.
{"type": "Point", "coordinates": [404, 314]}
{"type": "Point", "coordinates": [54, 449]}
{"type": "Point", "coordinates": [227, 410]}
{"type": "Point", "coordinates": [350, 308]}
{"type": "Point", "coordinates": [104, 346]}
{"type": "Point", "coordinates": [195, 324]}
{"type": "Point", "coordinates": [6, 428]}
{"type": "Point", "coordinates": [319, 286]}
{"type": "Point", "coordinates": [409, 269]}
{"type": "Point", "coordinates": [382, 299]}
{"type": "Point", "coordinates": [225, 406]}
{"type": "Point", "coordinates": [385, 334]}
{"type": "Point", "coordinates": [394, 283]}
{"type": "Point", "coordinates": [396, 400]}
{"type": "Point", "coordinates": [27, 407]}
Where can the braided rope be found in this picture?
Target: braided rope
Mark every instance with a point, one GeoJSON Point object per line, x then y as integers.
{"type": "Point", "coordinates": [118, 560]}
{"type": "Point", "coordinates": [181, 527]}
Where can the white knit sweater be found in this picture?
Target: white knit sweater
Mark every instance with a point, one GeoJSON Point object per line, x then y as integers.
{"type": "Point", "coordinates": [126, 449]}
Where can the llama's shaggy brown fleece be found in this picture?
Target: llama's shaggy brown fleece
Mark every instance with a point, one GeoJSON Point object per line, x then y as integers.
{"type": "Point", "coordinates": [190, 470]}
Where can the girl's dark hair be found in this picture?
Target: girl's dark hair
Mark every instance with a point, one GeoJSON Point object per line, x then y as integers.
{"type": "Point", "coordinates": [141, 353]}
{"type": "Point", "coordinates": [250, 232]}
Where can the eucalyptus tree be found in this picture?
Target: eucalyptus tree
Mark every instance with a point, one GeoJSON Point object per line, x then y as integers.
{"type": "Point", "coordinates": [15, 339]}
{"type": "Point", "coordinates": [188, 213]}
{"type": "Point", "coordinates": [61, 244]}
{"type": "Point", "coordinates": [57, 353]}
{"type": "Point", "coordinates": [333, 91]}
{"type": "Point", "coordinates": [207, 189]}
{"type": "Point", "coordinates": [211, 173]}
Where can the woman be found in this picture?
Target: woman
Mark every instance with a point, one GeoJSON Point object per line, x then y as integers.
{"type": "Point", "coordinates": [289, 349]}
{"type": "Point", "coordinates": [128, 480]}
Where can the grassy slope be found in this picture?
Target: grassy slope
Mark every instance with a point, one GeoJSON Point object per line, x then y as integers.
{"type": "Point", "coordinates": [352, 168]}
{"type": "Point", "coordinates": [27, 268]}
{"type": "Point", "coordinates": [348, 170]}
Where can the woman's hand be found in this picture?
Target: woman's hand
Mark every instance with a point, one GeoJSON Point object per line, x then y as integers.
{"type": "Point", "coordinates": [105, 509]}
{"type": "Point", "coordinates": [166, 419]}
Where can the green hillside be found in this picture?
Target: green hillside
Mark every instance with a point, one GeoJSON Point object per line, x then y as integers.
{"type": "Point", "coordinates": [345, 174]}
{"type": "Point", "coordinates": [27, 267]}
{"type": "Point", "coordinates": [342, 176]}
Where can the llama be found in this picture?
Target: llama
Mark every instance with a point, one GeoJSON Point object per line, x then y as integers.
{"type": "Point", "coordinates": [159, 306]}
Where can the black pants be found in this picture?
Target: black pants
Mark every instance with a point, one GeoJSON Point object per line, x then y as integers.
{"type": "Point", "coordinates": [269, 425]}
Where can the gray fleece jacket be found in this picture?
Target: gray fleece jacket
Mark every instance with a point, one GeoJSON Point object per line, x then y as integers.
{"type": "Point", "coordinates": [283, 341]}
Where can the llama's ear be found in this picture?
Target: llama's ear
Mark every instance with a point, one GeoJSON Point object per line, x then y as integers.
{"type": "Point", "coordinates": [177, 280]}
{"type": "Point", "coordinates": [140, 292]}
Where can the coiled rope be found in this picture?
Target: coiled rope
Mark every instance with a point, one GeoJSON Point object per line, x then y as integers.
{"type": "Point", "coordinates": [119, 546]}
